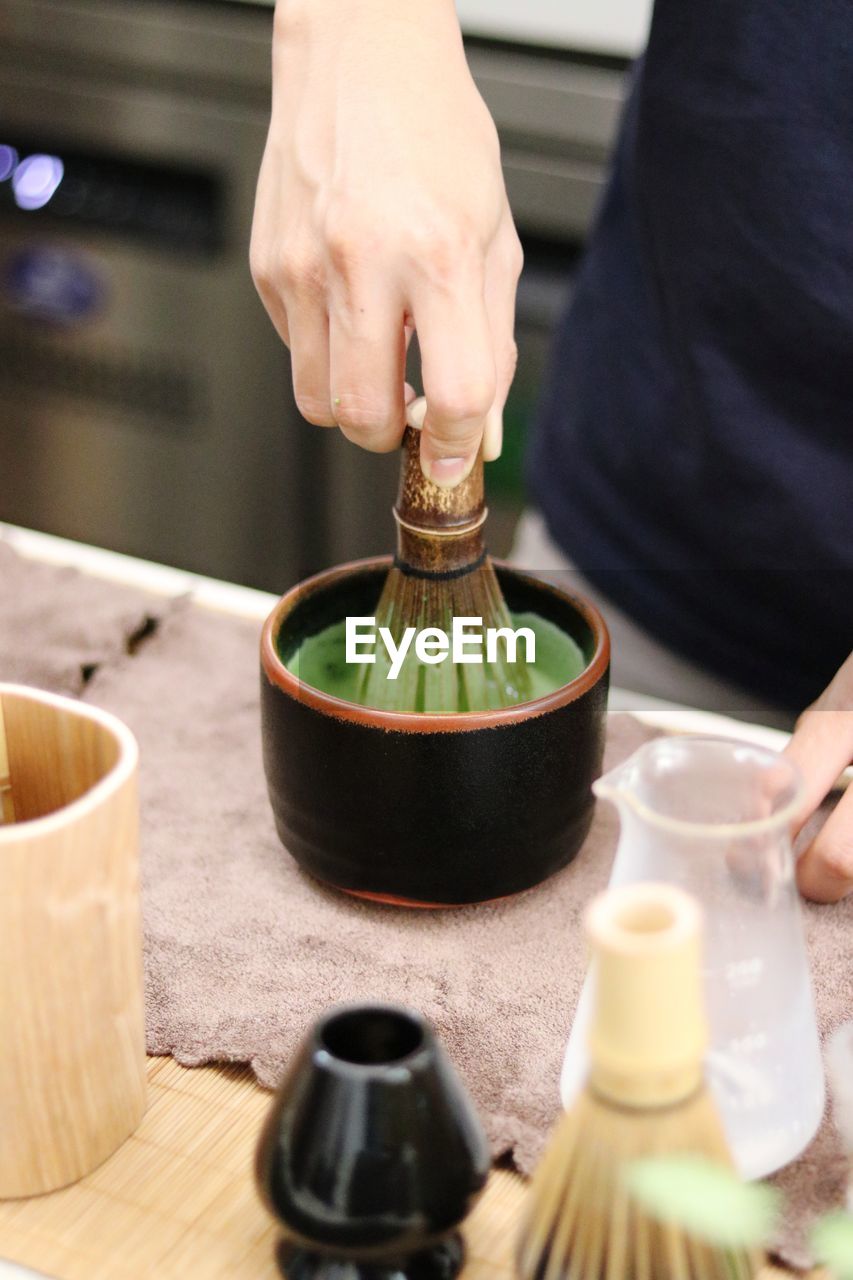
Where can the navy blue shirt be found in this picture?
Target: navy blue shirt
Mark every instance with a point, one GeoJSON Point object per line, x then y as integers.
{"type": "Point", "coordinates": [694, 446]}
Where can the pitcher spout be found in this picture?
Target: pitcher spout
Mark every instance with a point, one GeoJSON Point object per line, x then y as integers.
{"type": "Point", "coordinates": [619, 785]}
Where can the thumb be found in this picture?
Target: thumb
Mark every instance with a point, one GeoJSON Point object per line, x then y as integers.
{"type": "Point", "coordinates": [445, 472]}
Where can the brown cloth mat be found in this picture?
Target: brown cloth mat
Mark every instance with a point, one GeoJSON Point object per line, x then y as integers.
{"type": "Point", "coordinates": [58, 626]}
{"type": "Point", "coordinates": [243, 950]}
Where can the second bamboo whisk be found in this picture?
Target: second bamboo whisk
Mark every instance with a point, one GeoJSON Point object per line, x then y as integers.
{"type": "Point", "coordinates": [645, 1097]}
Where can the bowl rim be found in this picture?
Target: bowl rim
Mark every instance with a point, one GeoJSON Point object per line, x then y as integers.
{"type": "Point", "coordinates": [327, 1058]}
{"type": "Point", "coordinates": [426, 721]}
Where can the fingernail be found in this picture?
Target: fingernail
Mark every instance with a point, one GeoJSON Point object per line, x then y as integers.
{"type": "Point", "coordinates": [416, 412]}
{"type": "Point", "coordinates": [447, 473]}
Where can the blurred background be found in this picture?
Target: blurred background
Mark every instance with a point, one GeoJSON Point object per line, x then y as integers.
{"type": "Point", "coordinates": [145, 400]}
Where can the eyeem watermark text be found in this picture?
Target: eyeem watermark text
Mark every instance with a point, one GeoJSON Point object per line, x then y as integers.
{"type": "Point", "coordinates": [468, 641]}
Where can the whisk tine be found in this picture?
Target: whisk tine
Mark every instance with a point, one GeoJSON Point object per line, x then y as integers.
{"type": "Point", "coordinates": [640, 1227]}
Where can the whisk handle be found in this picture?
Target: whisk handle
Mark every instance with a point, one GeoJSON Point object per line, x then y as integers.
{"type": "Point", "coordinates": [422, 505]}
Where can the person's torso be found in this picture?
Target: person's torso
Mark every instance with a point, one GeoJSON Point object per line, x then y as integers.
{"type": "Point", "coordinates": [695, 445]}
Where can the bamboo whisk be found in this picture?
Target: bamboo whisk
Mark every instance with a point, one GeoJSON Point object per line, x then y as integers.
{"type": "Point", "coordinates": [441, 571]}
{"type": "Point", "coordinates": [645, 1096]}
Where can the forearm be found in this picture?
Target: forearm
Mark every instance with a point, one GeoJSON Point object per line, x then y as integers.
{"type": "Point", "coordinates": [388, 19]}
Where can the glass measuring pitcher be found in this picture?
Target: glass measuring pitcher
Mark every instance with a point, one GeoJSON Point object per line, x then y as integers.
{"type": "Point", "coordinates": [714, 817]}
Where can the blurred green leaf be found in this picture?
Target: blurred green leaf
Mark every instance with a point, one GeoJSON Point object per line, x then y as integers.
{"type": "Point", "coordinates": [832, 1242]}
{"type": "Point", "coordinates": [704, 1199]}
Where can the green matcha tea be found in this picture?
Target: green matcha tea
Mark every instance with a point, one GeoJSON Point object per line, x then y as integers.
{"type": "Point", "coordinates": [320, 661]}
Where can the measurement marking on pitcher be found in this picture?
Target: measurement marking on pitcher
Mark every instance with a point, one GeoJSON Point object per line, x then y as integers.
{"type": "Point", "coordinates": [744, 973]}
{"type": "Point", "coordinates": [743, 1046]}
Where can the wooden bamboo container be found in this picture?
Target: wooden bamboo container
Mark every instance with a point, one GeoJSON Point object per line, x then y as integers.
{"type": "Point", "coordinates": [72, 1070]}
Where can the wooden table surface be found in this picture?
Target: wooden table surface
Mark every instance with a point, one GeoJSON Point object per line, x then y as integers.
{"type": "Point", "coordinates": [177, 1199]}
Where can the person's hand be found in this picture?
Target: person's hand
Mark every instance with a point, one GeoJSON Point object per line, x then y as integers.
{"type": "Point", "coordinates": [381, 208]}
{"type": "Point", "coordinates": [822, 746]}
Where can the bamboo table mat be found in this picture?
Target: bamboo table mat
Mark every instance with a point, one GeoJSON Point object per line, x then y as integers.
{"type": "Point", "coordinates": [178, 1199]}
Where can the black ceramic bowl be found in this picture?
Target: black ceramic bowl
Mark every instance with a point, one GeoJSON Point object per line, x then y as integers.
{"type": "Point", "coordinates": [423, 809]}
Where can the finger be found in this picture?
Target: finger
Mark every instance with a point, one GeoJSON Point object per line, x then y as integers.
{"type": "Point", "coordinates": [367, 348]}
{"type": "Point", "coordinates": [262, 266]}
{"type": "Point", "coordinates": [263, 242]}
{"type": "Point", "coordinates": [825, 870]}
{"type": "Point", "coordinates": [458, 370]}
{"type": "Point", "coordinates": [503, 269]}
{"type": "Point", "coordinates": [309, 350]}
{"type": "Point", "coordinates": [493, 434]}
{"type": "Point", "coordinates": [821, 747]}
{"type": "Point", "coordinates": [416, 412]}
{"type": "Point", "coordinates": [276, 311]}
